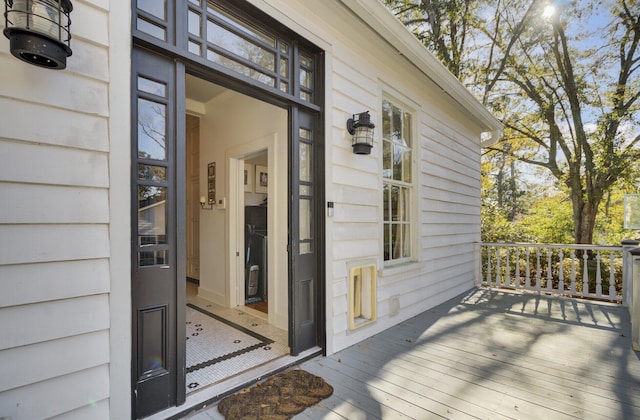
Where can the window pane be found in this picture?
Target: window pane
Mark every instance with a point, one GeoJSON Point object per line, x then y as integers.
{"type": "Point", "coordinates": [243, 26]}
{"type": "Point", "coordinates": [284, 86]}
{"type": "Point", "coordinates": [151, 130]}
{"type": "Point", "coordinates": [406, 129]}
{"type": "Point", "coordinates": [149, 258]}
{"type": "Point", "coordinates": [284, 67]}
{"type": "Point", "coordinates": [305, 78]}
{"type": "Point", "coordinates": [396, 243]}
{"type": "Point", "coordinates": [395, 203]}
{"type": "Point", "coordinates": [240, 68]}
{"type": "Point", "coordinates": [195, 48]}
{"type": "Point", "coordinates": [386, 201]}
{"type": "Point", "coordinates": [151, 29]}
{"type": "Point", "coordinates": [152, 87]}
{"type": "Point", "coordinates": [396, 124]}
{"type": "Point", "coordinates": [306, 96]}
{"type": "Point", "coordinates": [152, 215]}
{"type": "Point", "coordinates": [397, 162]}
{"type": "Point", "coordinates": [239, 46]}
{"type": "Point", "coordinates": [387, 166]}
{"type": "Point", "coordinates": [284, 48]}
{"type": "Point", "coordinates": [306, 248]}
{"type": "Point", "coordinates": [305, 219]}
{"type": "Point", "coordinates": [305, 162]}
{"type": "Point", "coordinates": [387, 243]}
{"type": "Point", "coordinates": [406, 241]}
{"type": "Point", "coordinates": [152, 172]}
{"type": "Point", "coordinates": [194, 23]}
{"type": "Point", "coordinates": [306, 61]}
{"type": "Point", "coordinates": [305, 190]}
{"type": "Point", "coordinates": [403, 214]}
{"type": "Point", "coordinates": [406, 165]}
{"type": "Point", "coordinates": [153, 7]}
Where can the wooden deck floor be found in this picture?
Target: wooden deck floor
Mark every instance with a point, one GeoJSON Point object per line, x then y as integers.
{"type": "Point", "coordinates": [489, 354]}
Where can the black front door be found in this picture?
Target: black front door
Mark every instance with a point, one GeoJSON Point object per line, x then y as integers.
{"type": "Point", "coordinates": [306, 230]}
{"type": "Point", "coordinates": [154, 243]}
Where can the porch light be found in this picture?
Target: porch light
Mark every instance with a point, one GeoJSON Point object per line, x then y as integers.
{"type": "Point", "coordinates": [38, 31]}
{"type": "Point", "coordinates": [361, 128]}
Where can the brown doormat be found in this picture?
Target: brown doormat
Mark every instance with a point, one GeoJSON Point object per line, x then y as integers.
{"type": "Point", "coordinates": [281, 396]}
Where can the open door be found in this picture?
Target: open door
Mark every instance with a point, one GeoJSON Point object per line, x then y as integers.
{"type": "Point", "coordinates": [306, 227]}
{"type": "Point", "coordinates": [155, 319]}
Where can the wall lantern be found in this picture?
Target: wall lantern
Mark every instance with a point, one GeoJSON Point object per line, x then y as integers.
{"type": "Point", "coordinates": [361, 128]}
{"type": "Point", "coordinates": [38, 31]}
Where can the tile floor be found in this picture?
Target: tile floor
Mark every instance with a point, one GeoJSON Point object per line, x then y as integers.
{"type": "Point", "coordinates": [236, 341]}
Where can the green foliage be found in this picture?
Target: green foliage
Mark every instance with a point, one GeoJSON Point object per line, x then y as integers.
{"type": "Point", "coordinates": [566, 85]}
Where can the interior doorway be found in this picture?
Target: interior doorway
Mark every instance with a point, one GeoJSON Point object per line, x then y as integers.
{"type": "Point", "coordinates": [236, 309]}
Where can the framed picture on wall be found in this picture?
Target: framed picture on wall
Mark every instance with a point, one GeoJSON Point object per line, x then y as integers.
{"type": "Point", "coordinates": [248, 177]}
{"type": "Point", "coordinates": [262, 179]}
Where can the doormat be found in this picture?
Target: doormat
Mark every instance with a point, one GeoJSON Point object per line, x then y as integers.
{"type": "Point", "coordinates": [218, 348]}
{"type": "Point", "coordinates": [280, 397]}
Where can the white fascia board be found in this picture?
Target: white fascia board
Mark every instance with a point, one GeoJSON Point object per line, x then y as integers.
{"type": "Point", "coordinates": [382, 21]}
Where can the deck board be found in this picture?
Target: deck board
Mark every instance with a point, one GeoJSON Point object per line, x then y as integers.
{"type": "Point", "coordinates": [491, 354]}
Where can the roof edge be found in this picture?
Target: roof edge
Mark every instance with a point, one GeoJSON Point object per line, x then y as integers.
{"type": "Point", "coordinates": [382, 21]}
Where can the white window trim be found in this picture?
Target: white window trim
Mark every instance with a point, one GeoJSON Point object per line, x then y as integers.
{"type": "Point", "coordinates": [392, 267]}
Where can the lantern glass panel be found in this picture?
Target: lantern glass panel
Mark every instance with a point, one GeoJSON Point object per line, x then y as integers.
{"type": "Point", "coordinates": [43, 16]}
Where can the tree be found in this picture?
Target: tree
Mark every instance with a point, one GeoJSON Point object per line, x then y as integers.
{"type": "Point", "coordinates": [442, 25]}
{"type": "Point", "coordinates": [566, 87]}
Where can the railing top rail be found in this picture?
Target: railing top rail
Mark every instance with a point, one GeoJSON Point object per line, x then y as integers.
{"type": "Point", "coordinates": [554, 246]}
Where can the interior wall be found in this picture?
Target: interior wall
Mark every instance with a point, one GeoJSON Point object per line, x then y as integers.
{"type": "Point", "coordinates": [230, 121]}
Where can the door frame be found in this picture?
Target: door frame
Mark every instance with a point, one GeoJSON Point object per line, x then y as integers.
{"type": "Point", "coordinates": [174, 48]}
{"type": "Point", "coordinates": [235, 221]}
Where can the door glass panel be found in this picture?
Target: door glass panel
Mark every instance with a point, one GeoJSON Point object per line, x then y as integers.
{"type": "Point", "coordinates": [306, 248]}
{"type": "Point", "coordinates": [152, 87]}
{"type": "Point", "coordinates": [305, 219]}
{"type": "Point", "coordinates": [151, 130]}
{"type": "Point", "coordinates": [153, 7]}
{"type": "Point", "coordinates": [305, 162]}
{"type": "Point", "coordinates": [152, 172]}
{"type": "Point", "coordinates": [150, 258]}
{"type": "Point", "coordinates": [152, 215]}
{"type": "Point", "coordinates": [305, 190]}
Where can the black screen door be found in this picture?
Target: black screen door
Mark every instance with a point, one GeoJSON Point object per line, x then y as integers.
{"type": "Point", "coordinates": [154, 364]}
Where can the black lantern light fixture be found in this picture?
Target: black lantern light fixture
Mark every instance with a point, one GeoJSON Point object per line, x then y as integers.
{"type": "Point", "coordinates": [361, 128]}
{"type": "Point", "coordinates": [38, 31]}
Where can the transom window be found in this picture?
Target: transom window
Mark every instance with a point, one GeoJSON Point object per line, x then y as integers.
{"type": "Point", "coordinates": [397, 162]}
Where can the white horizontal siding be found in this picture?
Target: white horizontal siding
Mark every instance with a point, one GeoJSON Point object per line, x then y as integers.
{"type": "Point", "coordinates": [38, 362]}
{"type": "Point", "coordinates": [22, 244]}
{"type": "Point", "coordinates": [30, 203]}
{"type": "Point", "coordinates": [54, 228]}
{"type": "Point", "coordinates": [31, 283]}
{"type": "Point", "coordinates": [79, 130]}
{"type": "Point", "coordinates": [58, 395]}
{"type": "Point", "coordinates": [447, 182]}
{"type": "Point", "coordinates": [55, 319]}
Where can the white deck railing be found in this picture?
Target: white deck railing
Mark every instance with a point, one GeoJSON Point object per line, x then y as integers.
{"type": "Point", "coordinates": [586, 271]}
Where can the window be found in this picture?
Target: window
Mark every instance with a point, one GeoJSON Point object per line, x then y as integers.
{"type": "Point", "coordinates": [397, 167]}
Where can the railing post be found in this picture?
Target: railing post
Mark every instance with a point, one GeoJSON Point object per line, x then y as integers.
{"type": "Point", "coordinates": [627, 271]}
{"type": "Point", "coordinates": [477, 253]}
{"type": "Point", "coordinates": [634, 308]}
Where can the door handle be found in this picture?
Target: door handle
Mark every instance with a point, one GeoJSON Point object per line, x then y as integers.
{"type": "Point", "coordinates": [165, 267]}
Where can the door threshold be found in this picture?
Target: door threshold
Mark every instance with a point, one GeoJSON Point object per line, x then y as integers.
{"type": "Point", "coordinates": [214, 393]}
